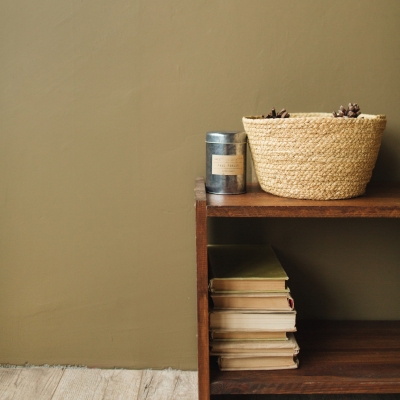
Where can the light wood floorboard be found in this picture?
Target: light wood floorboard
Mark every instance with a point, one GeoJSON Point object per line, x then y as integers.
{"type": "Point", "coordinates": [61, 383]}
{"type": "Point", "coordinates": [8, 381]}
{"type": "Point", "coordinates": [166, 385]}
{"type": "Point", "coordinates": [29, 383]}
{"type": "Point", "coordinates": [186, 387]}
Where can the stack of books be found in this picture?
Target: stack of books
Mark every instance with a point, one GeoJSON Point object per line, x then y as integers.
{"type": "Point", "coordinates": [253, 317]}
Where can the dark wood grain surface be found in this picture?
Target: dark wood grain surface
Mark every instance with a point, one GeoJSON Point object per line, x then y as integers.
{"type": "Point", "coordinates": [380, 200]}
{"type": "Point", "coordinates": [335, 357]}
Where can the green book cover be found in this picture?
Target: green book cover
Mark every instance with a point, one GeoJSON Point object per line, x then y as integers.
{"type": "Point", "coordinates": [229, 264]}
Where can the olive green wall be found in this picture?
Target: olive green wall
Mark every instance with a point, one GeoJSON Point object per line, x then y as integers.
{"type": "Point", "coordinates": [104, 110]}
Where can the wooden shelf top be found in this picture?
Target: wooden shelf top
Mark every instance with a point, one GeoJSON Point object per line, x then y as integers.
{"type": "Point", "coordinates": [335, 357]}
{"type": "Point", "coordinates": [381, 200]}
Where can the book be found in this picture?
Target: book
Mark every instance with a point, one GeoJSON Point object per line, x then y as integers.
{"type": "Point", "coordinates": [279, 301]}
{"type": "Point", "coordinates": [256, 348]}
{"type": "Point", "coordinates": [243, 268]}
{"type": "Point", "coordinates": [248, 335]}
{"type": "Point", "coordinates": [239, 363]}
{"type": "Point", "coordinates": [252, 320]}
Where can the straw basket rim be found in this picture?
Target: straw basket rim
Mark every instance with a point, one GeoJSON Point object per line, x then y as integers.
{"type": "Point", "coordinates": [313, 117]}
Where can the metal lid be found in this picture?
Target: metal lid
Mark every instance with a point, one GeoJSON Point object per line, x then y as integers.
{"type": "Point", "coordinates": [226, 137]}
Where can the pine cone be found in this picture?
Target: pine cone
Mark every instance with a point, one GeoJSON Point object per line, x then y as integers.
{"type": "Point", "coordinates": [353, 111]}
{"type": "Point", "coordinates": [281, 114]}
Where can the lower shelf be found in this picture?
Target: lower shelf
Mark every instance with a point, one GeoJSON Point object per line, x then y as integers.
{"type": "Point", "coordinates": [335, 357]}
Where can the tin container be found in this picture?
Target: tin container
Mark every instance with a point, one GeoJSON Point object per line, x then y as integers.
{"type": "Point", "coordinates": [226, 162]}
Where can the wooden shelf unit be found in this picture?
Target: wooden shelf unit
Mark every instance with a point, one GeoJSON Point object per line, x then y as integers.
{"type": "Point", "coordinates": [336, 356]}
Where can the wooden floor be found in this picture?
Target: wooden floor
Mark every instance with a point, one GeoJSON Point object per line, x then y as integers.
{"type": "Point", "coordinates": [58, 383]}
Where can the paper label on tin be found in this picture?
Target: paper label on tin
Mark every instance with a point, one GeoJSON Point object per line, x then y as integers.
{"type": "Point", "coordinates": [227, 165]}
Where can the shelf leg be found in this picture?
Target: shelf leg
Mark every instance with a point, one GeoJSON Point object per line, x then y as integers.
{"type": "Point", "coordinates": [202, 299]}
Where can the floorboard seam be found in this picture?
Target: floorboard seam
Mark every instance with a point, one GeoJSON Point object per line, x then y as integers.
{"type": "Point", "coordinates": [58, 384]}
{"type": "Point", "coordinates": [176, 384]}
{"type": "Point", "coordinates": [140, 385]}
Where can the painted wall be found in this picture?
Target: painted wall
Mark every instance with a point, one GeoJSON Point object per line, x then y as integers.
{"type": "Point", "coordinates": [104, 110]}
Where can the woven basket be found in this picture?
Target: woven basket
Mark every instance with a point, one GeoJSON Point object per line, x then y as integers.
{"type": "Point", "coordinates": [315, 156]}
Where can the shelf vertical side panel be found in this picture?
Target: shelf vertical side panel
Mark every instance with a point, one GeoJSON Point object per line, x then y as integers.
{"type": "Point", "coordinates": [202, 291]}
